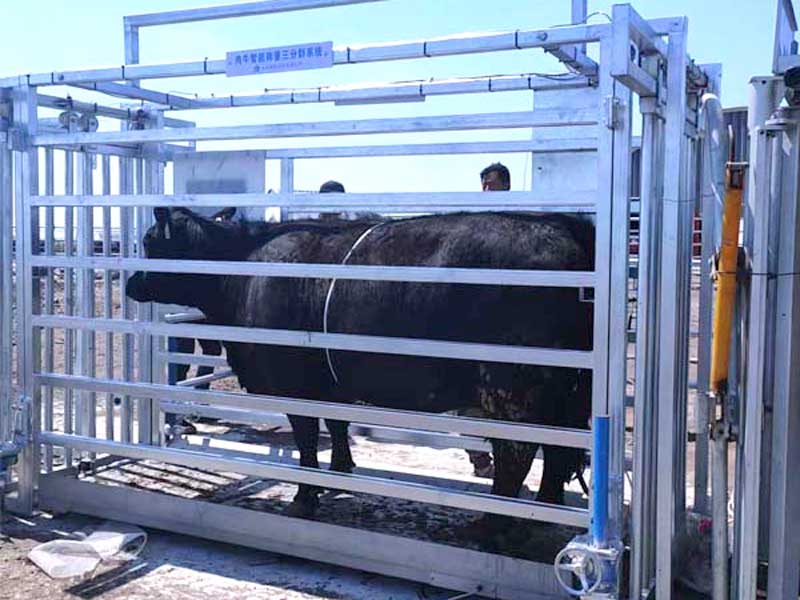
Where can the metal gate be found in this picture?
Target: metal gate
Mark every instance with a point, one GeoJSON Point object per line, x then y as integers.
{"type": "Point", "coordinates": [59, 387]}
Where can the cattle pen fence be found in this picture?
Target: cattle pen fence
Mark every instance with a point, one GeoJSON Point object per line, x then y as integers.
{"type": "Point", "coordinates": [84, 370]}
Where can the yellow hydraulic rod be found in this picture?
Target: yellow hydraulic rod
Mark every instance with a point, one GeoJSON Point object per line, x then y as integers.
{"type": "Point", "coordinates": [726, 279]}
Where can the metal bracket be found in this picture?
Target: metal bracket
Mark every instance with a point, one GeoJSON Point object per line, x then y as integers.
{"type": "Point", "coordinates": [17, 139]}
{"type": "Point", "coordinates": [611, 109]}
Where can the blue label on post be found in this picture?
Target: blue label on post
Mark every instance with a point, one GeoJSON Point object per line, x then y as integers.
{"type": "Point", "coordinates": [318, 55]}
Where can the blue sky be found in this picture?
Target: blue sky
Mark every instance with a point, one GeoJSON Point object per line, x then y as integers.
{"type": "Point", "coordinates": [45, 35]}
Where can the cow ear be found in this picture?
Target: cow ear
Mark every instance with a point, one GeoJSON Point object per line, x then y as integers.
{"type": "Point", "coordinates": [161, 214]}
{"type": "Point", "coordinates": [226, 214]}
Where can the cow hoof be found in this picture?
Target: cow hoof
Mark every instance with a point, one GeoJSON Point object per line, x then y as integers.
{"type": "Point", "coordinates": [343, 468]}
{"type": "Point", "coordinates": [549, 498]}
{"type": "Point", "coordinates": [301, 509]}
{"type": "Point", "coordinates": [484, 472]}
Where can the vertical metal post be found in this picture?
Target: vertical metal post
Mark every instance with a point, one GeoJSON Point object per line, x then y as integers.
{"type": "Point", "coordinates": [603, 250]}
{"type": "Point", "coordinates": [154, 184]}
{"type": "Point", "coordinates": [108, 291]}
{"type": "Point", "coordinates": [686, 208]}
{"type": "Point", "coordinates": [6, 289]}
{"type": "Point", "coordinates": [644, 472]}
{"type": "Point", "coordinates": [670, 334]}
{"type": "Point", "coordinates": [757, 242]}
{"type": "Point", "coordinates": [131, 48]}
{"type": "Point", "coordinates": [127, 244]}
{"type": "Point", "coordinates": [49, 294]}
{"type": "Point", "coordinates": [578, 15]}
{"type": "Point", "coordinates": [611, 264]}
{"type": "Point", "coordinates": [126, 224]}
{"type": "Point", "coordinates": [764, 96]}
{"type": "Point", "coordinates": [702, 408]}
{"type": "Point", "coordinates": [87, 420]}
{"type": "Point", "coordinates": [26, 173]}
{"type": "Point", "coordinates": [618, 300]}
{"type": "Point", "coordinates": [69, 298]}
{"type": "Point", "coordinates": [287, 184]}
{"type": "Point", "coordinates": [784, 531]}
{"type": "Point", "coordinates": [144, 313]}
{"type": "Point", "coordinates": [149, 179]}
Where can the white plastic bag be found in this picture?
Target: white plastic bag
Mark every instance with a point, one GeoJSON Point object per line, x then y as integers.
{"type": "Point", "coordinates": [111, 542]}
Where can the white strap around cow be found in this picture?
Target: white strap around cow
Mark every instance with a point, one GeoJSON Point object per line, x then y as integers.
{"type": "Point", "coordinates": [347, 256]}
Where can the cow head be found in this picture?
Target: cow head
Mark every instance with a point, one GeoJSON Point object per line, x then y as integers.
{"type": "Point", "coordinates": [180, 234]}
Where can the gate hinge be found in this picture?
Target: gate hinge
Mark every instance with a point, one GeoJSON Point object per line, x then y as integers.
{"type": "Point", "coordinates": [611, 111]}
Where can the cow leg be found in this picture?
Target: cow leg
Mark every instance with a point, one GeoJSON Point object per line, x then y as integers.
{"type": "Point", "coordinates": [306, 438]}
{"type": "Point", "coordinates": [178, 372]}
{"type": "Point", "coordinates": [341, 459]}
{"type": "Point", "coordinates": [560, 464]}
{"type": "Point", "coordinates": [512, 462]}
{"type": "Point", "coordinates": [210, 348]}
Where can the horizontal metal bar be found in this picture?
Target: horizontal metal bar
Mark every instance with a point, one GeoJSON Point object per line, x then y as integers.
{"type": "Point", "coordinates": [666, 25]}
{"type": "Point", "coordinates": [233, 415]}
{"type": "Point", "coordinates": [227, 448]}
{"type": "Point", "coordinates": [327, 271]}
{"type": "Point", "coordinates": [393, 434]}
{"type": "Point", "coordinates": [416, 49]}
{"type": "Point", "coordinates": [165, 151]}
{"type": "Point", "coordinates": [203, 379]}
{"type": "Point", "coordinates": [574, 57]}
{"type": "Point", "coordinates": [193, 359]}
{"type": "Point", "coordinates": [90, 107]}
{"type": "Point", "coordinates": [463, 122]}
{"type": "Point", "coordinates": [488, 429]}
{"type": "Point", "coordinates": [229, 11]}
{"type": "Point", "coordinates": [539, 146]}
{"type": "Point", "coordinates": [547, 357]}
{"type": "Point", "coordinates": [328, 202]}
{"type": "Point", "coordinates": [395, 91]}
{"type": "Point", "coordinates": [415, 492]}
{"type": "Point", "coordinates": [120, 90]}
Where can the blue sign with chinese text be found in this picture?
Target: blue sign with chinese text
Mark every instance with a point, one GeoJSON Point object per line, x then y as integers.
{"type": "Point", "coordinates": [317, 55]}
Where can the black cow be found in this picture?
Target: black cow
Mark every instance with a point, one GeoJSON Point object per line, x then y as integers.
{"type": "Point", "coordinates": [543, 316]}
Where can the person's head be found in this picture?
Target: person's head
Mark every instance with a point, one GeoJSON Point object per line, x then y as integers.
{"type": "Point", "coordinates": [331, 187]}
{"type": "Point", "coordinates": [496, 178]}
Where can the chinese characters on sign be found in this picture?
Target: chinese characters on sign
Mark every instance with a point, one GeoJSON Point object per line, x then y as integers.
{"type": "Point", "coordinates": [318, 55]}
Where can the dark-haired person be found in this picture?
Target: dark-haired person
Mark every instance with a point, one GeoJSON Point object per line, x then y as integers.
{"type": "Point", "coordinates": [496, 178]}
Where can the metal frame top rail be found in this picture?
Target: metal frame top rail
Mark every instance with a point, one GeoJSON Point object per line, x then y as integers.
{"type": "Point", "coordinates": [395, 91]}
{"type": "Point", "coordinates": [350, 201]}
{"type": "Point", "coordinates": [230, 11]}
{"type": "Point", "coordinates": [412, 49]}
{"type": "Point", "coordinates": [458, 122]}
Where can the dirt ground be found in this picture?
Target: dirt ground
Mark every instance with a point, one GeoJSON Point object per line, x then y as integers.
{"type": "Point", "coordinates": [174, 567]}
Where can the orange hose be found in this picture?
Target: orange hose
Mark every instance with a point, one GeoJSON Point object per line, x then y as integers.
{"type": "Point", "coordinates": [726, 283]}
